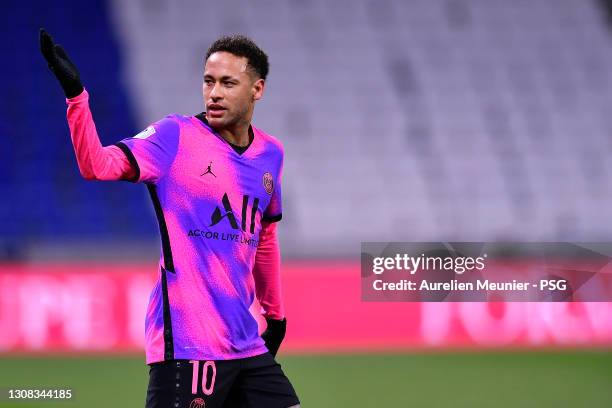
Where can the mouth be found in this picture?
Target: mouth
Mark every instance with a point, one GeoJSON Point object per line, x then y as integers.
{"type": "Point", "coordinates": [215, 111]}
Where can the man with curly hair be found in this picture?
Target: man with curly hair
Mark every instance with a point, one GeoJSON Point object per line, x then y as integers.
{"type": "Point", "coordinates": [215, 183]}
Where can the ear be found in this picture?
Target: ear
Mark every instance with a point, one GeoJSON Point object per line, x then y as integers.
{"type": "Point", "coordinates": [258, 89]}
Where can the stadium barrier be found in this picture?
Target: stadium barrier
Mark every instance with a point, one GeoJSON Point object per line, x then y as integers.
{"type": "Point", "coordinates": [73, 307]}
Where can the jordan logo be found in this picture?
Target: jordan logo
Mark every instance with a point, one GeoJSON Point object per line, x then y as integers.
{"type": "Point", "coordinates": [209, 170]}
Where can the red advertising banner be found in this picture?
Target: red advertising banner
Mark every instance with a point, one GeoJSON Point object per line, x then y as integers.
{"type": "Point", "coordinates": [101, 307]}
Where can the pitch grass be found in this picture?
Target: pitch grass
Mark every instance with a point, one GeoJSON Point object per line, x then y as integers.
{"type": "Point", "coordinates": [540, 379]}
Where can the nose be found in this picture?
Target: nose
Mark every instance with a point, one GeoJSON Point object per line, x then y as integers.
{"type": "Point", "coordinates": [215, 92]}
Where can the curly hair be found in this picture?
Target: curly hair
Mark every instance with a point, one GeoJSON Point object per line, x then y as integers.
{"type": "Point", "coordinates": [242, 46]}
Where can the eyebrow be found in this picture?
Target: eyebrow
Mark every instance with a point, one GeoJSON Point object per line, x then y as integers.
{"type": "Point", "coordinates": [223, 78]}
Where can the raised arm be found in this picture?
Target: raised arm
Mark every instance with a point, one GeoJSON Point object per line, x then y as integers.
{"type": "Point", "coordinates": [95, 161]}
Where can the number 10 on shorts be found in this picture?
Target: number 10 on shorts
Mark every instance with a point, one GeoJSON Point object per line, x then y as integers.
{"type": "Point", "coordinates": [206, 389]}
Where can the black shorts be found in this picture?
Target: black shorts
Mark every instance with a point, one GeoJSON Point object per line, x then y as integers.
{"type": "Point", "coordinates": [248, 382]}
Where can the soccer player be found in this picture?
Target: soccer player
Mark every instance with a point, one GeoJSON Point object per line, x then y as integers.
{"type": "Point", "coordinates": [215, 183]}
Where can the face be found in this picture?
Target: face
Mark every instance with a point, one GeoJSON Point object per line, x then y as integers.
{"type": "Point", "coordinates": [230, 90]}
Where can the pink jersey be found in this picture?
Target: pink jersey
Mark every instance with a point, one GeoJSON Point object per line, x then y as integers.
{"type": "Point", "coordinates": [210, 202]}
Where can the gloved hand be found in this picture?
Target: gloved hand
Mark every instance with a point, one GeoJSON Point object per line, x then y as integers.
{"type": "Point", "coordinates": [65, 71]}
{"type": "Point", "coordinates": [274, 334]}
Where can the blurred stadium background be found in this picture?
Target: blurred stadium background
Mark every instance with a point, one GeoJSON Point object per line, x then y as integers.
{"type": "Point", "coordinates": [415, 120]}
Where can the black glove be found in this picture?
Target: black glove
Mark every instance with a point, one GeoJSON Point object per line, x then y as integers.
{"type": "Point", "coordinates": [64, 69]}
{"type": "Point", "coordinates": [274, 334]}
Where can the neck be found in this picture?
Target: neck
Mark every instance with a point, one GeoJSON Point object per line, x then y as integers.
{"type": "Point", "coordinates": [237, 135]}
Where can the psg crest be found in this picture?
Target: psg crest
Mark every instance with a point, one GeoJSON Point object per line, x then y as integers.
{"type": "Point", "coordinates": [268, 182]}
{"type": "Point", "coordinates": [197, 403]}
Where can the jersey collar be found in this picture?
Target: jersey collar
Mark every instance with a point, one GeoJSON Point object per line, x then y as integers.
{"type": "Point", "coordinates": [240, 150]}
